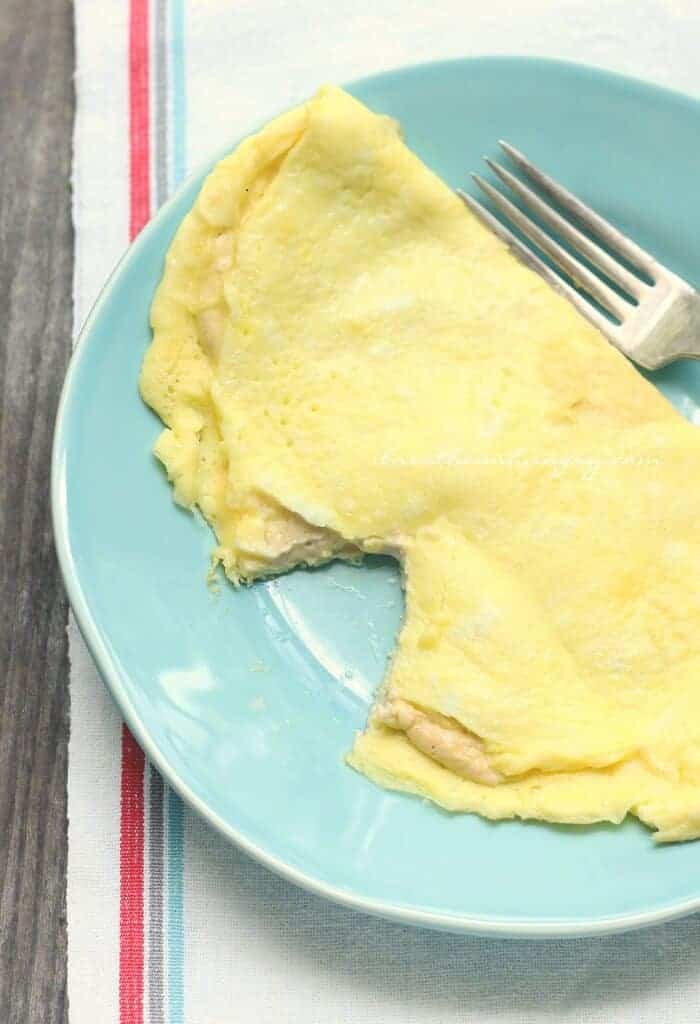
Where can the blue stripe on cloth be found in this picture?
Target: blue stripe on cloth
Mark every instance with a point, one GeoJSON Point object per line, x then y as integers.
{"type": "Point", "coordinates": [177, 37]}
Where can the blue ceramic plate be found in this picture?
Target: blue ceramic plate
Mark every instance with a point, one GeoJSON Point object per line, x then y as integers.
{"type": "Point", "coordinates": [248, 700]}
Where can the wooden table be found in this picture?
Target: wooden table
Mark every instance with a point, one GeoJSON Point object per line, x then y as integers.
{"type": "Point", "coordinates": [36, 259]}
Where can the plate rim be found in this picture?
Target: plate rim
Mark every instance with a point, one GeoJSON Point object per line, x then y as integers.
{"type": "Point", "coordinates": [489, 926]}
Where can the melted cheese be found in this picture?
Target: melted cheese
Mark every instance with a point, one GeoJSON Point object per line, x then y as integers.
{"type": "Point", "coordinates": [346, 360]}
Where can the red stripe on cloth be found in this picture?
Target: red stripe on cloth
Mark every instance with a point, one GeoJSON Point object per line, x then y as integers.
{"type": "Point", "coordinates": [131, 838]}
{"type": "Point", "coordinates": [139, 126]}
{"type": "Point", "coordinates": [131, 865]}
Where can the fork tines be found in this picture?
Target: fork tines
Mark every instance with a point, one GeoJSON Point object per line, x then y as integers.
{"type": "Point", "coordinates": [617, 306]}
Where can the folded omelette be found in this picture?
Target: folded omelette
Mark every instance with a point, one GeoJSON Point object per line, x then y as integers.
{"type": "Point", "coordinates": [347, 361]}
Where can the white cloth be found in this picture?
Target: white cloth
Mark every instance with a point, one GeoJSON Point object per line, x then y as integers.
{"type": "Point", "coordinates": [256, 949]}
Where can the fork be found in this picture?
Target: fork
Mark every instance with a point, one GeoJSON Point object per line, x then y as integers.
{"type": "Point", "coordinates": [654, 322]}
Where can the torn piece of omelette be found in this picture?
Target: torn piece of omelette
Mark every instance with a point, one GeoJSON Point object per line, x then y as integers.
{"type": "Point", "coordinates": [347, 361]}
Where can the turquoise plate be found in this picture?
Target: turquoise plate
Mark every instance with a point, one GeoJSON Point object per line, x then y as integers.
{"type": "Point", "coordinates": [248, 700]}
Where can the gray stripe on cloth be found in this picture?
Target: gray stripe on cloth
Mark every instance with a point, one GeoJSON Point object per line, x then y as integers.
{"type": "Point", "coordinates": [156, 880]}
{"type": "Point", "coordinates": [160, 96]}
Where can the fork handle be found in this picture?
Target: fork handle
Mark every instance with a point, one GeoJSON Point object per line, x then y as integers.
{"type": "Point", "coordinates": [675, 332]}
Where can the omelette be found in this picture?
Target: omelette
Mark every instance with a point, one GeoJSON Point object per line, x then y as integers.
{"type": "Point", "coordinates": [346, 361]}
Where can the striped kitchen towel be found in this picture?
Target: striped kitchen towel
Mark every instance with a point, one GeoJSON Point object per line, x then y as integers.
{"type": "Point", "coordinates": [167, 924]}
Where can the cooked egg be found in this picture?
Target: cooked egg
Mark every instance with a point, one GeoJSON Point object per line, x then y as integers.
{"type": "Point", "coordinates": [346, 360]}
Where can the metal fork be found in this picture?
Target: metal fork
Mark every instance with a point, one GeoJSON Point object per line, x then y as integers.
{"type": "Point", "coordinates": [654, 323]}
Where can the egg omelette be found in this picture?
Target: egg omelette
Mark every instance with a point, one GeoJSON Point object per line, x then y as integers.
{"type": "Point", "coordinates": [347, 361]}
